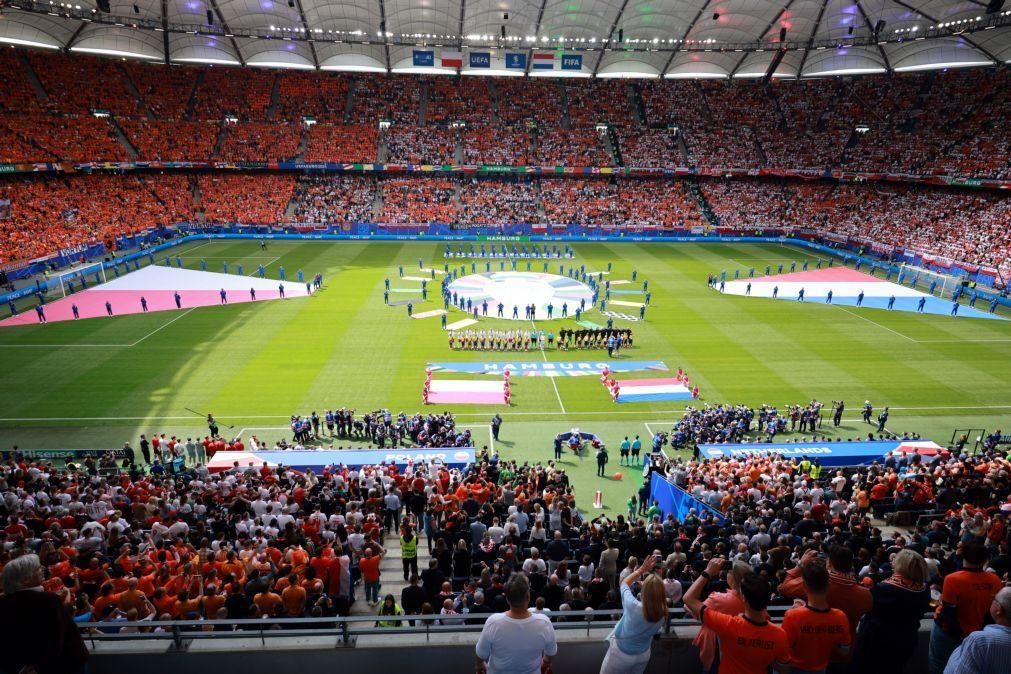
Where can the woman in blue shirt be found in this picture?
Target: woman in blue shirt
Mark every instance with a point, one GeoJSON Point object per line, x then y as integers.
{"type": "Point", "coordinates": [632, 637]}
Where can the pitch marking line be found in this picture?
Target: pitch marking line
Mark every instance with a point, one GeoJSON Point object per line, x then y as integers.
{"type": "Point", "coordinates": [864, 318]}
{"type": "Point", "coordinates": [266, 265]}
{"type": "Point", "coordinates": [206, 243]}
{"type": "Point", "coordinates": [553, 384]}
{"type": "Point", "coordinates": [182, 315]}
{"type": "Point", "coordinates": [60, 346]}
{"type": "Point", "coordinates": [491, 436]}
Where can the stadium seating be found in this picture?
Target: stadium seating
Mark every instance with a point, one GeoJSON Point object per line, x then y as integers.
{"type": "Point", "coordinates": [343, 143]}
{"type": "Point", "coordinates": [488, 202]}
{"type": "Point", "coordinates": [418, 200]}
{"type": "Point", "coordinates": [322, 96]}
{"type": "Point", "coordinates": [336, 200]}
{"type": "Point", "coordinates": [260, 141]}
{"type": "Point", "coordinates": [165, 90]}
{"type": "Point", "coordinates": [256, 199]}
{"type": "Point", "coordinates": [943, 123]}
{"type": "Point", "coordinates": [49, 214]}
{"type": "Point", "coordinates": [172, 140]}
{"type": "Point", "coordinates": [420, 145]}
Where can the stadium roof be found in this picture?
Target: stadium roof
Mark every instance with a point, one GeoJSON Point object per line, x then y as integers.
{"type": "Point", "coordinates": [615, 38]}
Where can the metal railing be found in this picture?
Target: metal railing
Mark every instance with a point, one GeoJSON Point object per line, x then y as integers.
{"type": "Point", "coordinates": [345, 629]}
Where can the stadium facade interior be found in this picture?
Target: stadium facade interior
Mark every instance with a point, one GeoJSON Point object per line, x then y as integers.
{"type": "Point", "coordinates": [595, 158]}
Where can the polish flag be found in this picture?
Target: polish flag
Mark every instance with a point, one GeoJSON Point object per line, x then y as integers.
{"type": "Point", "coordinates": [452, 59]}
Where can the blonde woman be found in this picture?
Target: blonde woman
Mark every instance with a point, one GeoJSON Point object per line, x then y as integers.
{"type": "Point", "coordinates": [632, 637]}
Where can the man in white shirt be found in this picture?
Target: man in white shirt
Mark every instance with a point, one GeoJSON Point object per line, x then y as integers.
{"type": "Point", "coordinates": [496, 532]}
{"type": "Point", "coordinates": [516, 642]}
{"type": "Point", "coordinates": [534, 564]}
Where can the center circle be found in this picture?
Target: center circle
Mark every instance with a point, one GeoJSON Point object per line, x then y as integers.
{"type": "Point", "coordinates": [520, 289]}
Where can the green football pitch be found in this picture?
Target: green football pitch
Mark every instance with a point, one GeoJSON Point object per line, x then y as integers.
{"type": "Point", "coordinates": [101, 382]}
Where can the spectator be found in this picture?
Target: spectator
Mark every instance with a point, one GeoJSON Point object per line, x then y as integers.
{"type": "Point", "coordinates": [749, 643]}
{"type": "Point", "coordinates": [518, 641]}
{"type": "Point", "coordinates": [888, 634]}
{"type": "Point", "coordinates": [966, 597]}
{"type": "Point", "coordinates": [37, 633]}
{"type": "Point", "coordinates": [989, 649]}
{"type": "Point", "coordinates": [632, 638]}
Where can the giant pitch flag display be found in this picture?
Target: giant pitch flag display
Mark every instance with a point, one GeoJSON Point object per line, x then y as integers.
{"type": "Point", "coordinates": [849, 288]}
{"type": "Point", "coordinates": [158, 286]}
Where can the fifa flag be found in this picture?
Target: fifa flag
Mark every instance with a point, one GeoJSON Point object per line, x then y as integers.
{"type": "Point", "coordinates": [572, 61]}
{"type": "Point", "coordinates": [516, 61]}
{"type": "Point", "coordinates": [452, 59]}
{"type": "Point", "coordinates": [480, 59]}
{"type": "Point", "coordinates": [424, 58]}
{"type": "Point", "coordinates": [544, 60]}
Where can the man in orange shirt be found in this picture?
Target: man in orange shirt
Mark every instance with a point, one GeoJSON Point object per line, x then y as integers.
{"type": "Point", "coordinates": [965, 604]}
{"type": "Point", "coordinates": [817, 633]}
{"type": "Point", "coordinates": [749, 643]}
{"type": "Point", "coordinates": [369, 566]}
{"type": "Point", "coordinates": [211, 602]}
{"type": "Point", "coordinates": [844, 593]}
{"type": "Point", "coordinates": [293, 598]}
{"type": "Point", "coordinates": [266, 601]}
{"type": "Point", "coordinates": [131, 597]}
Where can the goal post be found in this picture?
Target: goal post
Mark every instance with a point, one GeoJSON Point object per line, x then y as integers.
{"type": "Point", "coordinates": [929, 281]}
{"type": "Point", "coordinates": [81, 278]}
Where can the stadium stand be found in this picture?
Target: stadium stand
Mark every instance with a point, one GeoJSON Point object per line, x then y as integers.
{"type": "Point", "coordinates": [487, 202]}
{"type": "Point", "coordinates": [246, 198]}
{"type": "Point", "coordinates": [172, 140]}
{"type": "Point", "coordinates": [342, 142]}
{"type": "Point", "coordinates": [322, 96]}
{"type": "Point", "coordinates": [50, 214]}
{"type": "Point", "coordinates": [256, 141]}
{"type": "Point", "coordinates": [336, 200]}
{"type": "Point", "coordinates": [418, 200]}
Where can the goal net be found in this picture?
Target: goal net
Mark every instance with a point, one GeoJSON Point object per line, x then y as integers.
{"type": "Point", "coordinates": [81, 278]}
{"type": "Point", "coordinates": [931, 282]}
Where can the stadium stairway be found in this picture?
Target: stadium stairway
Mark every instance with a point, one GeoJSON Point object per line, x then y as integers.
{"type": "Point", "coordinates": [191, 101]}
{"type": "Point", "coordinates": [220, 142]}
{"type": "Point", "coordinates": [638, 107]}
{"type": "Point", "coordinates": [117, 130]}
{"type": "Point", "coordinates": [758, 145]}
{"type": "Point", "coordinates": [33, 77]}
{"type": "Point", "coordinates": [132, 88]}
{"type": "Point", "coordinates": [349, 101]}
{"type": "Point", "coordinates": [275, 98]}
{"type": "Point", "coordinates": [426, 89]}
{"type": "Point", "coordinates": [391, 570]}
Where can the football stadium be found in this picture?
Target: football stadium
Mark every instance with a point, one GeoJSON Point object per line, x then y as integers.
{"type": "Point", "coordinates": [511, 337]}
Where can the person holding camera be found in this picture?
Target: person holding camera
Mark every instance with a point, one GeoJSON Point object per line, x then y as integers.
{"type": "Point", "coordinates": [643, 617]}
